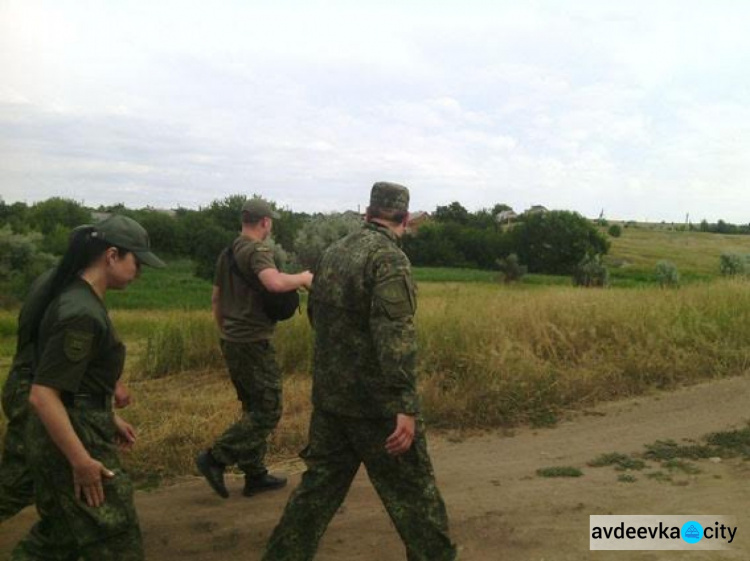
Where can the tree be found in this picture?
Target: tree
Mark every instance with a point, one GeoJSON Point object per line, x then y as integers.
{"type": "Point", "coordinates": [500, 207]}
{"type": "Point", "coordinates": [556, 242]}
{"type": "Point", "coordinates": [163, 230]}
{"type": "Point", "coordinates": [46, 215]}
{"type": "Point", "coordinates": [454, 212]}
{"type": "Point", "coordinates": [319, 232]}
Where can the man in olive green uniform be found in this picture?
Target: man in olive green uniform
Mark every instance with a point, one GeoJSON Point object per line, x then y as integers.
{"type": "Point", "coordinates": [246, 332]}
{"type": "Point", "coordinates": [16, 483]}
{"type": "Point", "coordinates": [366, 408]}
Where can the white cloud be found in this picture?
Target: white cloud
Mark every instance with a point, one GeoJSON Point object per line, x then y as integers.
{"type": "Point", "coordinates": [639, 108]}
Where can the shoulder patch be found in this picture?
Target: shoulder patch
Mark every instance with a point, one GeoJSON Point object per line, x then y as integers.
{"type": "Point", "coordinates": [396, 297]}
{"type": "Point", "coordinates": [77, 344]}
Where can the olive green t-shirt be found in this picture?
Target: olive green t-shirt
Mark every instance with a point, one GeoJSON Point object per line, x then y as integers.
{"type": "Point", "coordinates": [243, 318]}
{"type": "Point", "coordinates": [78, 350]}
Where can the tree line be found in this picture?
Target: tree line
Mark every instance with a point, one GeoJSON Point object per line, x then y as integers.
{"type": "Point", "coordinates": [549, 242]}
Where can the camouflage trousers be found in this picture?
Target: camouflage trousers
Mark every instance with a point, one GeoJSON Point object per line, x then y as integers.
{"type": "Point", "coordinates": [405, 484]}
{"type": "Point", "coordinates": [16, 483]}
{"type": "Point", "coordinates": [68, 529]}
{"type": "Point", "coordinates": [257, 379]}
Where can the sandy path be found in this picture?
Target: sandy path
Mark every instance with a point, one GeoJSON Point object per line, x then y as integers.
{"type": "Point", "coordinates": [499, 508]}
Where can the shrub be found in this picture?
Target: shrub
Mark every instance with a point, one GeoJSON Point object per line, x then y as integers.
{"type": "Point", "coordinates": [21, 261]}
{"type": "Point", "coordinates": [732, 264]}
{"type": "Point", "coordinates": [615, 230]}
{"type": "Point", "coordinates": [511, 268]}
{"type": "Point", "coordinates": [591, 272]}
{"type": "Point", "coordinates": [667, 274]}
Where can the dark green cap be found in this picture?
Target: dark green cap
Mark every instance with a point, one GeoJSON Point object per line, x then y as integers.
{"type": "Point", "coordinates": [258, 208]}
{"type": "Point", "coordinates": [389, 196]}
{"type": "Point", "coordinates": [126, 233]}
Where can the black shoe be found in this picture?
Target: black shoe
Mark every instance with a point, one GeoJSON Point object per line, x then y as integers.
{"type": "Point", "coordinates": [213, 471]}
{"type": "Point", "coordinates": [259, 483]}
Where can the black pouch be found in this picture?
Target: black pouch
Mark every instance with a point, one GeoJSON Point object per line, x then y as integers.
{"type": "Point", "coordinates": [278, 306]}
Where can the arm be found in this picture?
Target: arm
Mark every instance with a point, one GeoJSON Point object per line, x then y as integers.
{"type": "Point", "coordinates": [87, 472]}
{"type": "Point", "coordinates": [215, 308]}
{"type": "Point", "coordinates": [122, 395]}
{"type": "Point", "coordinates": [275, 281]}
{"type": "Point", "coordinates": [394, 337]}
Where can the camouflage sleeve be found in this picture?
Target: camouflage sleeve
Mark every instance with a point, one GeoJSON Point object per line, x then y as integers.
{"type": "Point", "coordinates": [67, 353]}
{"type": "Point", "coordinates": [392, 328]}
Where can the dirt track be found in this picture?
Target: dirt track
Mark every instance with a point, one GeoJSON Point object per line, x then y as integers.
{"type": "Point", "coordinates": [499, 508]}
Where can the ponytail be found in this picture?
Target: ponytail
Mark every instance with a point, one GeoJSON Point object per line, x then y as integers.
{"type": "Point", "coordinates": [84, 247]}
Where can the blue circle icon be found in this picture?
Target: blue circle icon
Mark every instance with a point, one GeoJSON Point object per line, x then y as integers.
{"type": "Point", "coordinates": [692, 532]}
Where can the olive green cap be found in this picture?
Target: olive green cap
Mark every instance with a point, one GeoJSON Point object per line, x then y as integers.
{"type": "Point", "coordinates": [258, 208]}
{"type": "Point", "coordinates": [126, 233]}
{"type": "Point", "coordinates": [389, 196]}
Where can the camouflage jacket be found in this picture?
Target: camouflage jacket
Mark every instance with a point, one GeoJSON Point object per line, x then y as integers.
{"type": "Point", "coordinates": [363, 302]}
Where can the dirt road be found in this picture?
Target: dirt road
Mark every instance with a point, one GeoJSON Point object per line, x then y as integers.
{"type": "Point", "coordinates": [499, 508]}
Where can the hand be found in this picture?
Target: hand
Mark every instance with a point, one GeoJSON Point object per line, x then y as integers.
{"type": "Point", "coordinates": [401, 439]}
{"type": "Point", "coordinates": [122, 396]}
{"type": "Point", "coordinates": [87, 480]}
{"type": "Point", "coordinates": [125, 433]}
{"type": "Point", "coordinates": [307, 279]}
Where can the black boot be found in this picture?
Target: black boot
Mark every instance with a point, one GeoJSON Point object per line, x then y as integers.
{"type": "Point", "coordinates": [213, 471]}
{"type": "Point", "coordinates": [258, 483]}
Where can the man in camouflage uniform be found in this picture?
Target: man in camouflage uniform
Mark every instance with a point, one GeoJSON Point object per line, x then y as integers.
{"type": "Point", "coordinates": [366, 408]}
{"type": "Point", "coordinates": [16, 482]}
{"type": "Point", "coordinates": [246, 332]}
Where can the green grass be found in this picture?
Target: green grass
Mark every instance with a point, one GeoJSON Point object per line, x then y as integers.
{"type": "Point", "coordinates": [449, 274]}
{"type": "Point", "coordinates": [172, 288]}
{"type": "Point", "coordinates": [634, 255]}
{"type": "Point", "coordinates": [559, 471]}
{"type": "Point", "coordinates": [621, 462]}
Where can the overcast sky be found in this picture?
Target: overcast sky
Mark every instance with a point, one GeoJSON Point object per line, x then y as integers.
{"type": "Point", "coordinates": [639, 108]}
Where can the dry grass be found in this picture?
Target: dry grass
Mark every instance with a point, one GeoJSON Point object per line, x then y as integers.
{"type": "Point", "coordinates": [490, 356]}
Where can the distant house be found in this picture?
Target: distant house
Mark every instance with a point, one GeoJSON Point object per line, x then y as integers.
{"type": "Point", "coordinates": [505, 217]}
{"type": "Point", "coordinates": [416, 220]}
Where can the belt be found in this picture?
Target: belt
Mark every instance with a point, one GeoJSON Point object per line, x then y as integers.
{"type": "Point", "coordinates": [96, 401]}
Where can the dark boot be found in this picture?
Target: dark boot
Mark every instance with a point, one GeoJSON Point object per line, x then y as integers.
{"type": "Point", "coordinates": [258, 483]}
{"type": "Point", "coordinates": [213, 471]}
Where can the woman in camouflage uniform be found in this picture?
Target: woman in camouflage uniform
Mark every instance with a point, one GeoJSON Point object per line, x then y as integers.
{"type": "Point", "coordinates": [84, 499]}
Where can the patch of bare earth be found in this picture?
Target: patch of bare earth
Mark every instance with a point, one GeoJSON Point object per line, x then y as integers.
{"type": "Point", "coordinates": [499, 508]}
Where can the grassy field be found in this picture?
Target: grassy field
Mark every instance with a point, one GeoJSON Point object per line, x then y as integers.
{"type": "Point", "coordinates": [490, 355]}
{"type": "Point", "coordinates": [633, 256]}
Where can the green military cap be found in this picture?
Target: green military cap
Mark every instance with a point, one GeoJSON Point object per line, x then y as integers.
{"type": "Point", "coordinates": [390, 196]}
{"type": "Point", "coordinates": [258, 208]}
{"type": "Point", "coordinates": [126, 233]}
